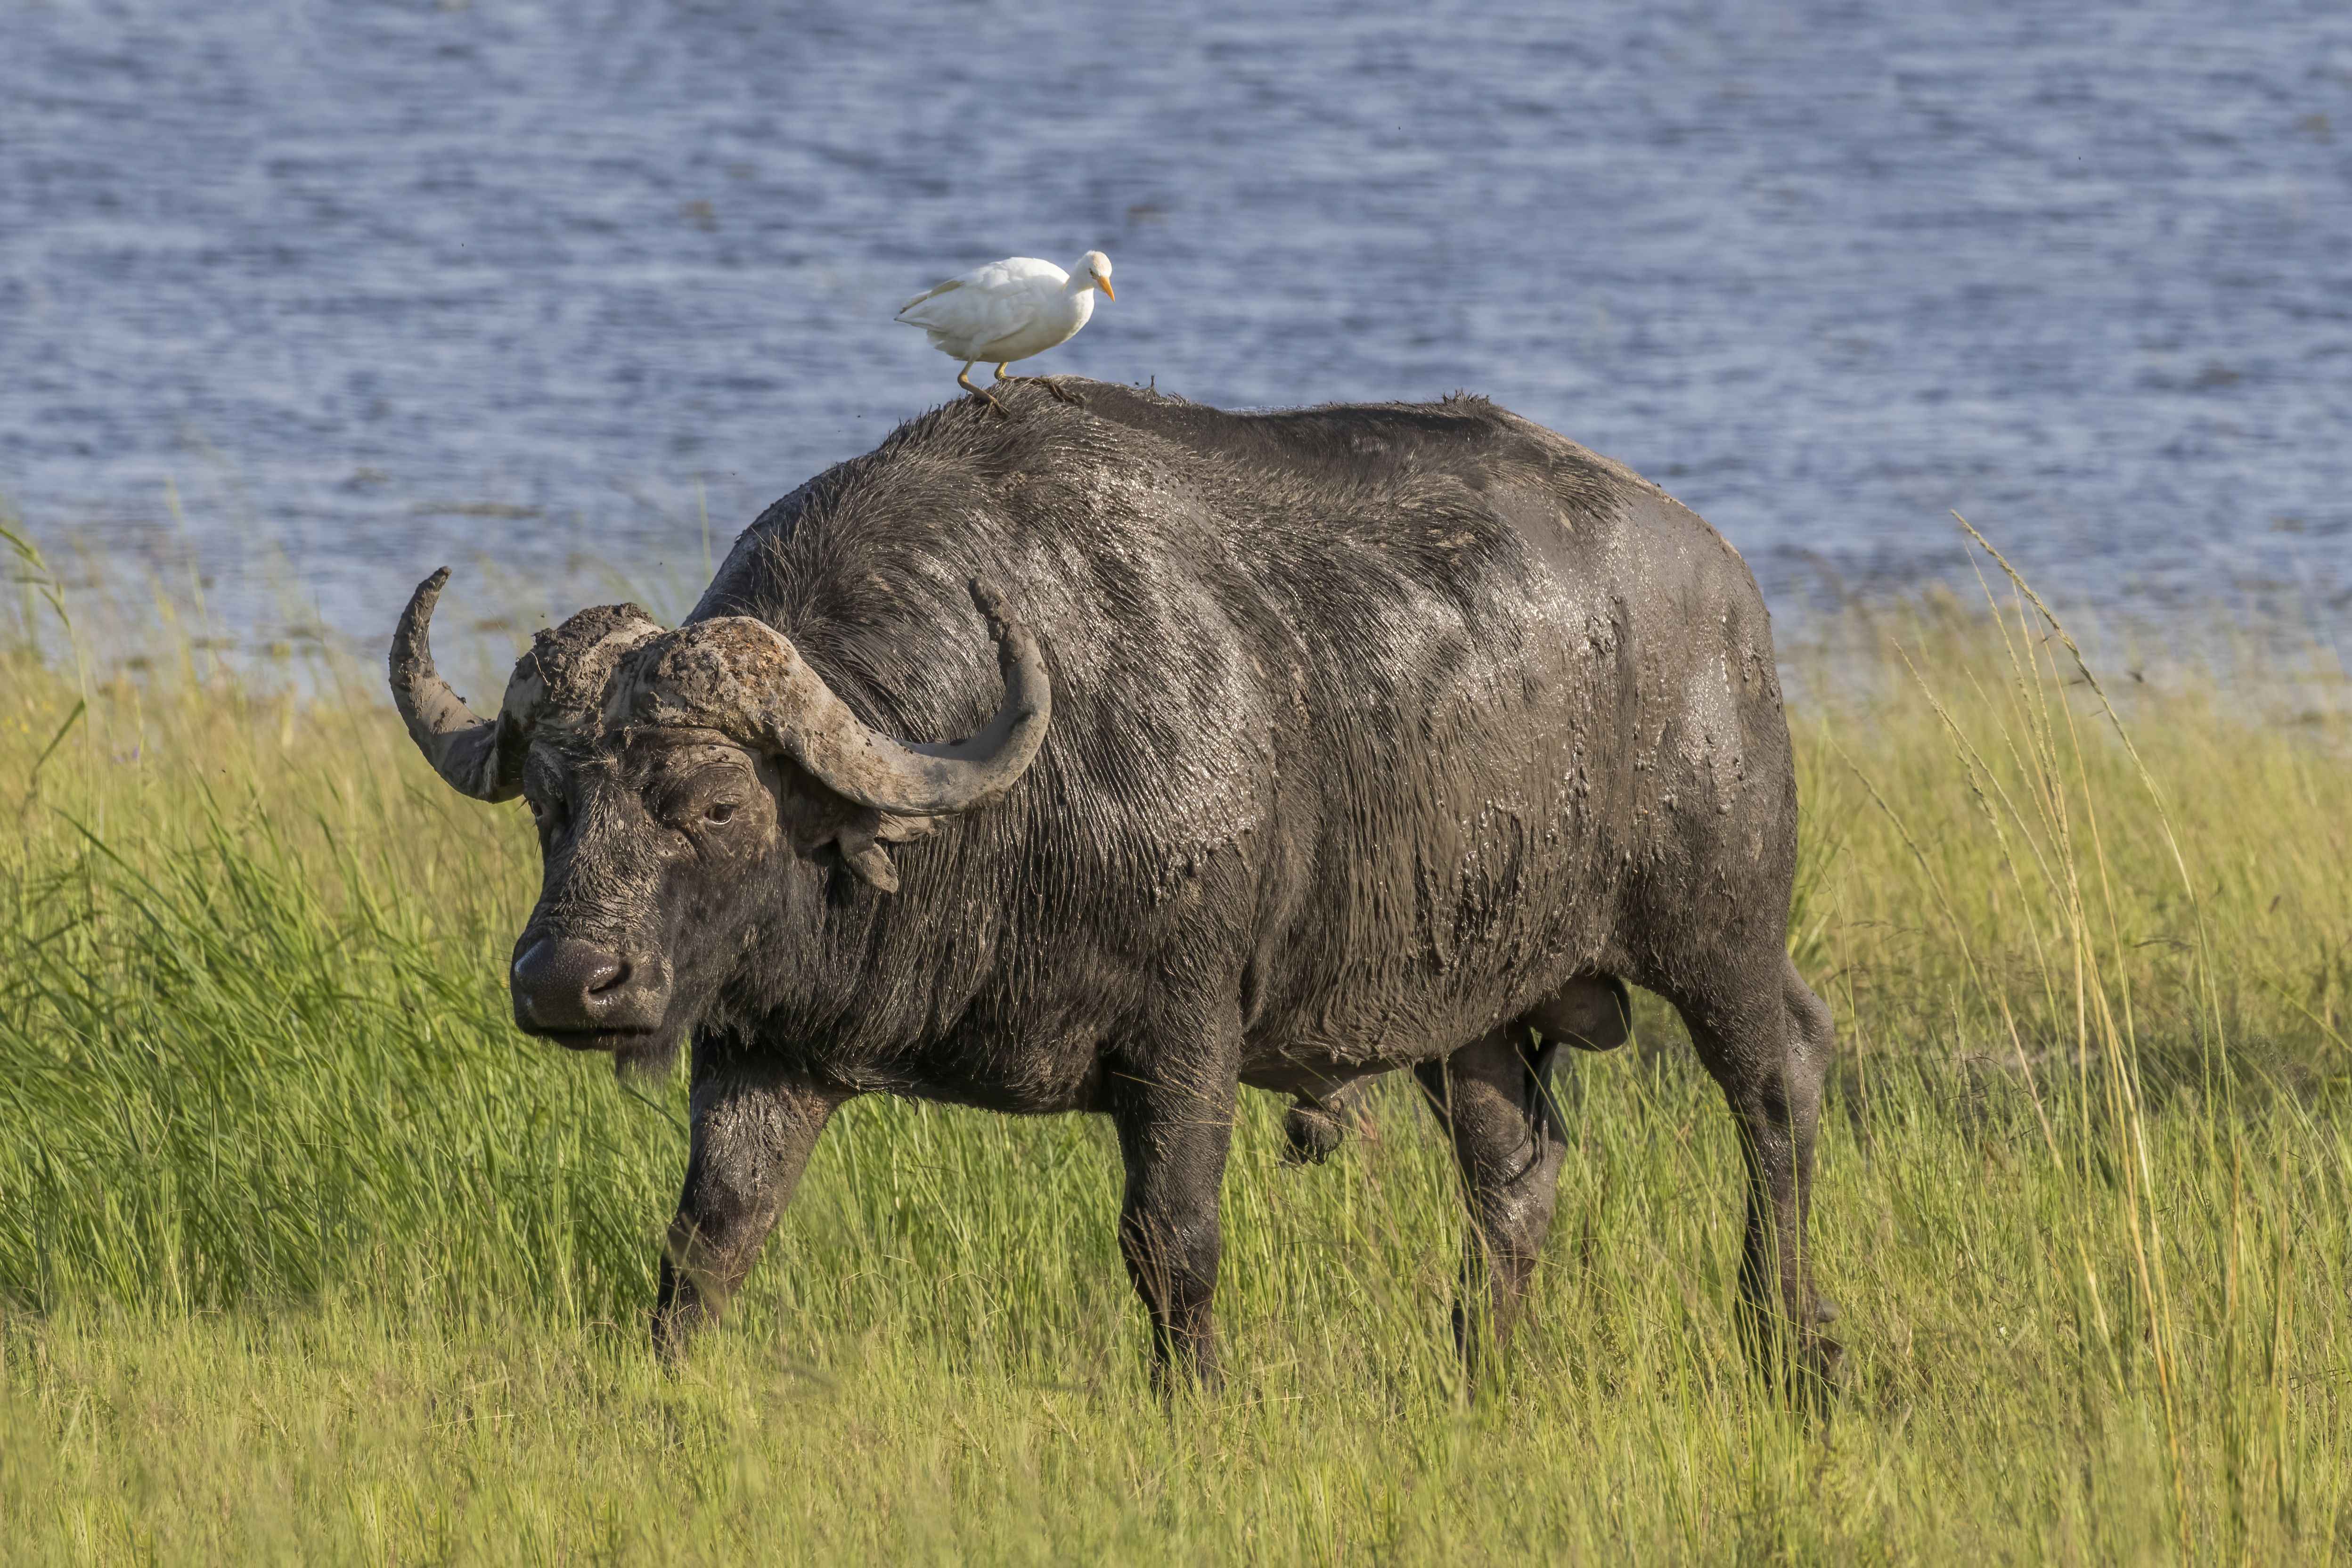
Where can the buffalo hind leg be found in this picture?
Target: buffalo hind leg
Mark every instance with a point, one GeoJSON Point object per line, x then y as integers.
{"type": "Point", "coordinates": [1771, 1060]}
{"type": "Point", "coordinates": [1174, 1135]}
{"type": "Point", "coordinates": [1491, 1098]}
{"type": "Point", "coordinates": [753, 1127]}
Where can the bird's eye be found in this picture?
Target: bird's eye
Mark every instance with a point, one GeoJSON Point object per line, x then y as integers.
{"type": "Point", "coordinates": [718, 813]}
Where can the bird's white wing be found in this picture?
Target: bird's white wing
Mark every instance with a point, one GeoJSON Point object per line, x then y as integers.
{"type": "Point", "coordinates": [988, 301]}
{"type": "Point", "coordinates": [1017, 274]}
{"type": "Point", "coordinates": [933, 292]}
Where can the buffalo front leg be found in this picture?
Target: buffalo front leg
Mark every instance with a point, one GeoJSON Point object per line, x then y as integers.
{"type": "Point", "coordinates": [1491, 1098]}
{"type": "Point", "coordinates": [1173, 1136]}
{"type": "Point", "coordinates": [753, 1128]}
{"type": "Point", "coordinates": [1770, 1059]}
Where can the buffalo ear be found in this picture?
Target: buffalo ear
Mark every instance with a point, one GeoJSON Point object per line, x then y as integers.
{"type": "Point", "coordinates": [867, 860]}
{"type": "Point", "coordinates": [873, 867]}
{"type": "Point", "coordinates": [861, 843]}
{"type": "Point", "coordinates": [815, 819]}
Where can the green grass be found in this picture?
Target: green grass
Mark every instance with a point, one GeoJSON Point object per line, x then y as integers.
{"type": "Point", "coordinates": [307, 1256]}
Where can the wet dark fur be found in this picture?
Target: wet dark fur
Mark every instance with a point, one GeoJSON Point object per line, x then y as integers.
{"type": "Point", "coordinates": [1373, 729]}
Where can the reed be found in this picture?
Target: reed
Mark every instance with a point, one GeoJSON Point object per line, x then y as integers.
{"type": "Point", "coordinates": [306, 1255]}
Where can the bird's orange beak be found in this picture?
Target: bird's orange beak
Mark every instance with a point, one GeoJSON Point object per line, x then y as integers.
{"type": "Point", "coordinates": [1104, 284]}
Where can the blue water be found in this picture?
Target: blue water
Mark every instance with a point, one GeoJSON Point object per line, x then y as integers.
{"type": "Point", "coordinates": [360, 287]}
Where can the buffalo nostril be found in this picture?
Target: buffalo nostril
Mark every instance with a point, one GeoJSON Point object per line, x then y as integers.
{"type": "Point", "coordinates": [562, 982]}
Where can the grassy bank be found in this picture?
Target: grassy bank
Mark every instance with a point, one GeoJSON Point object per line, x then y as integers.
{"type": "Point", "coordinates": [306, 1255]}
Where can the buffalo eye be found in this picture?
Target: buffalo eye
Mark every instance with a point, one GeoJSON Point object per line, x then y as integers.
{"type": "Point", "coordinates": [718, 813]}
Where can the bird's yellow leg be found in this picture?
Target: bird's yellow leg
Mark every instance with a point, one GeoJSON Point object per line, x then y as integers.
{"type": "Point", "coordinates": [1051, 384]}
{"type": "Point", "coordinates": [1000, 371]}
{"type": "Point", "coordinates": [963, 379]}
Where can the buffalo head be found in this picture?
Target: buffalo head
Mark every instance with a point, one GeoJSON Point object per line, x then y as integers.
{"type": "Point", "coordinates": [682, 783]}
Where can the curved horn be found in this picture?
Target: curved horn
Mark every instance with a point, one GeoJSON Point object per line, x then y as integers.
{"type": "Point", "coordinates": [462, 746]}
{"type": "Point", "coordinates": [742, 675]}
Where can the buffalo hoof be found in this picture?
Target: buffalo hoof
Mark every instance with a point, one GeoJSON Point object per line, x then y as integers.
{"type": "Point", "coordinates": [1314, 1134]}
{"type": "Point", "coordinates": [1176, 1382]}
{"type": "Point", "coordinates": [1826, 1367]}
{"type": "Point", "coordinates": [1820, 1380]}
{"type": "Point", "coordinates": [673, 1329]}
{"type": "Point", "coordinates": [1807, 1366]}
{"type": "Point", "coordinates": [1316, 1126]}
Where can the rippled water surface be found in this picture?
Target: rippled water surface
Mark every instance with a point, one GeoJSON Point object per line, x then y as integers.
{"type": "Point", "coordinates": [359, 287]}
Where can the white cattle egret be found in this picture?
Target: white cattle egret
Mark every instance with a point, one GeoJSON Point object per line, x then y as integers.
{"type": "Point", "coordinates": [1009, 310]}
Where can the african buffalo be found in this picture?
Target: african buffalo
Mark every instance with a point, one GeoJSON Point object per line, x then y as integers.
{"type": "Point", "coordinates": [1327, 743]}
